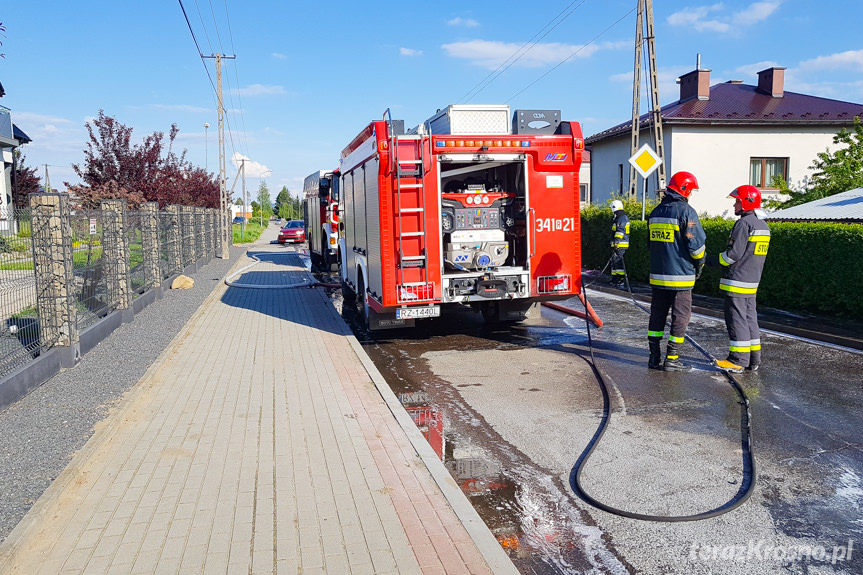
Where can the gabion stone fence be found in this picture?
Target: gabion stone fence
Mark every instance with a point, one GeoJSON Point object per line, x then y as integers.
{"type": "Point", "coordinates": [69, 269]}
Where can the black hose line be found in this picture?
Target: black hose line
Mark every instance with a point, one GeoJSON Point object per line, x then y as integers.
{"type": "Point", "coordinates": [747, 486]}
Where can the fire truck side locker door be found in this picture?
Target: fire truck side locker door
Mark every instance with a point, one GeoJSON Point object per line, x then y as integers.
{"type": "Point", "coordinates": [350, 260]}
{"type": "Point", "coordinates": [553, 226]}
{"type": "Point", "coordinates": [373, 226]}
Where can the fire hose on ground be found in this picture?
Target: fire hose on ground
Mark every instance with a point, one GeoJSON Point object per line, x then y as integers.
{"type": "Point", "coordinates": [747, 486]}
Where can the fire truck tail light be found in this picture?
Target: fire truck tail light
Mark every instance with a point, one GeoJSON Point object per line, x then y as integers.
{"type": "Point", "coordinates": [416, 292]}
{"type": "Point", "coordinates": [553, 284]}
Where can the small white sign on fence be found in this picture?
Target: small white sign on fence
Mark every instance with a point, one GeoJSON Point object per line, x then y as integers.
{"type": "Point", "coordinates": [92, 226]}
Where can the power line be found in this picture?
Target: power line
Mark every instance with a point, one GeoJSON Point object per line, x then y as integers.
{"type": "Point", "coordinates": [516, 56]}
{"type": "Point", "coordinates": [203, 26]}
{"type": "Point", "coordinates": [216, 25]}
{"type": "Point", "coordinates": [237, 76]}
{"type": "Point", "coordinates": [565, 60]}
{"type": "Point", "coordinates": [197, 46]}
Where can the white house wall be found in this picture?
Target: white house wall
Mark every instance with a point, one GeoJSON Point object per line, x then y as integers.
{"type": "Point", "coordinates": [5, 180]}
{"type": "Point", "coordinates": [604, 159]}
{"type": "Point", "coordinates": [718, 156]}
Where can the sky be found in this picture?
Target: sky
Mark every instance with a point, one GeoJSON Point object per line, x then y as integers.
{"type": "Point", "coordinates": [309, 76]}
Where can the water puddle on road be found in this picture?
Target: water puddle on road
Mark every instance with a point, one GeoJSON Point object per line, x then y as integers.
{"type": "Point", "coordinates": [525, 509]}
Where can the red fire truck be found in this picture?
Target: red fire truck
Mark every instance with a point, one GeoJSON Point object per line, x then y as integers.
{"type": "Point", "coordinates": [321, 213]}
{"type": "Point", "coordinates": [468, 208]}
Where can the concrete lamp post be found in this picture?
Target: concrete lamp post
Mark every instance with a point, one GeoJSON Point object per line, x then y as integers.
{"type": "Point", "coordinates": [261, 207]}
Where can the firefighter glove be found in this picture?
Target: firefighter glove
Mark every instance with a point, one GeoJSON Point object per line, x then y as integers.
{"type": "Point", "coordinates": [699, 267]}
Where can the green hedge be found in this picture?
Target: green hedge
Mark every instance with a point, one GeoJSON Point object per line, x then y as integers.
{"type": "Point", "coordinates": [815, 268]}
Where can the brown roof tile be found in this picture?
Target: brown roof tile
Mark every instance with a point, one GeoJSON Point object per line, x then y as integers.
{"type": "Point", "coordinates": [733, 103]}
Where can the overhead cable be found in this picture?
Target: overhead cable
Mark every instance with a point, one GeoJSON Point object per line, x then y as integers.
{"type": "Point", "coordinates": [565, 60]}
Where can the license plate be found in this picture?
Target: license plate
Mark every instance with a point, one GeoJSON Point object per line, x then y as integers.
{"type": "Point", "coordinates": [417, 312]}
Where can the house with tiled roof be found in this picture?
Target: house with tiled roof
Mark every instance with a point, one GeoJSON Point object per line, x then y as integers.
{"type": "Point", "coordinates": [727, 134]}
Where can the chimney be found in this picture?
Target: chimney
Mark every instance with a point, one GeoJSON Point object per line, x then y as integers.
{"type": "Point", "coordinates": [772, 81]}
{"type": "Point", "coordinates": [695, 84]}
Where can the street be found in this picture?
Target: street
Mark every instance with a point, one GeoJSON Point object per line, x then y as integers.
{"type": "Point", "coordinates": [510, 410]}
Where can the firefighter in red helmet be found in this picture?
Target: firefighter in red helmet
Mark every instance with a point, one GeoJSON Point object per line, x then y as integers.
{"type": "Point", "coordinates": [742, 263]}
{"type": "Point", "coordinates": [676, 261]}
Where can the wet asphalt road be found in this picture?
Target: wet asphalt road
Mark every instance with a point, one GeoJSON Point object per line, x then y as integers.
{"type": "Point", "coordinates": [510, 410]}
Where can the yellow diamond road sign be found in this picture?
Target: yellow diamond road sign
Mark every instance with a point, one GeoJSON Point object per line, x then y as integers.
{"type": "Point", "coordinates": [645, 160]}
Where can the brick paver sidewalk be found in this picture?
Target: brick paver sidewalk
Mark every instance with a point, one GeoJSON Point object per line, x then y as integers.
{"type": "Point", "coordinates": [262, 441]}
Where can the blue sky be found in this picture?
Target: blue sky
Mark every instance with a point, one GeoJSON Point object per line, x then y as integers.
{"type": "Point", "coordinates": [310, 75]}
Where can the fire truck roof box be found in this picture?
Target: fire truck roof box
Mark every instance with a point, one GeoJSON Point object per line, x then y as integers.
{"type": "Point", "coordinates": [464, 119]}
{"type": "Point", "coordinates": [530, 122]}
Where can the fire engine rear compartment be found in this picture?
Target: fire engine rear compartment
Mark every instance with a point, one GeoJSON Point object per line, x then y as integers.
{"type": "Point", "coordinates": [484, 244]}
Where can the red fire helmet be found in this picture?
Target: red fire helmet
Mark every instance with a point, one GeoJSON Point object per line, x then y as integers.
{"type": "Point", "coordinates": [683, 183]}
{"type": "Point", "coordinates": [749, 196]}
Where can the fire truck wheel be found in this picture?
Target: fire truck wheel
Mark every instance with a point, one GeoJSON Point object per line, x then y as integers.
{"type": "Point", "coordinates": [490, 312]}
{"type": "Point", "coordinates": [362, 301]}
{"type": "Point", "coordinates": [348, 296]}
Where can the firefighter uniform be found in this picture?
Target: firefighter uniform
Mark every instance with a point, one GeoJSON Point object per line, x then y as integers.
{"type": "Point", "coordinates": [676, 259]}
{"type": "Point", "coordinates": [620, 243]}
{"type": "Point", "coordinates": [742, 263]}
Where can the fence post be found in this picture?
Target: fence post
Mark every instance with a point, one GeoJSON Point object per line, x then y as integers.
{"type": "Point", "coordinates": [115, 252]}
{"type": "Point", "coordinates": [150, 242]}
{"type": "Point", "coordinates": [51, 235]}
{"type": "Point", "coordinates": [211, 231]}
{"type": "Point", "coordinates": [200, 243]}
{"type": "Point", "coordinates": [173, 238]}
{"type": "Point", "coordinates": [189, 232]}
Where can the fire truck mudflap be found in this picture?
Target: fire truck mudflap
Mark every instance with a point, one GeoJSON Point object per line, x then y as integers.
{"type": "Point", "coordinates": [467, 209]}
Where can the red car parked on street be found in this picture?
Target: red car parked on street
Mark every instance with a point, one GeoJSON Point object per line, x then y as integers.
{"type": "Point", "coordinates": [294, 231]}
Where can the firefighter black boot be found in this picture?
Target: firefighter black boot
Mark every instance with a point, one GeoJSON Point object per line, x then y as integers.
{"type": "Point", "coordinates": [672, 360]}
{"type": "Point", "coordinates": [655, 361]}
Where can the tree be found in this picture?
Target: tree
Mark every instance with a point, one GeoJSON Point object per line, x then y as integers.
{"type": "Point", "coordinates": [264, 201]}
{"type": "Point", "coordinates": [91, 197]}
{"type": "Point", "coordinates": [150, 171]}
{"type": "Point", "coordinates": [834, 172]}
{"type": "Point", "coordinates": [284, 197]}
{"type": "Point", "coordinates": [24, 181]}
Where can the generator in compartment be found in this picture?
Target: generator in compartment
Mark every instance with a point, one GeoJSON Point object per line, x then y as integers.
{"type": "Point", "coordinates": [483, 215]}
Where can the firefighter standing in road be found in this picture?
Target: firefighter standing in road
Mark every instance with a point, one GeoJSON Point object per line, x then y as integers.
{"type": "Point", "coordinates": [619, 244]}
{"type": "Point", "coordinates": [742, 263]}
{"type": "Point", "coordinates": [676, 261]}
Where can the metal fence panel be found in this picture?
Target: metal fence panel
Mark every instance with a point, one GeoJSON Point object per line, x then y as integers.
{"type": "Point", "coordinates": [140, 277]}
{"type": "Point", "coordinates": [20, 336]}
{"type": "Point", "coordinates": [91, 289]}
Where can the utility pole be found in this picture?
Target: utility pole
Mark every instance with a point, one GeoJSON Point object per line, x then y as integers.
{"type": "Point", "coordinates": [245, 198]}
{"type": "Point", "coordinates": [223, 186]}
{"type": "Point", "coordinates": [645, 18]}
{"type": "Point", "coordinates": [47, 180]}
